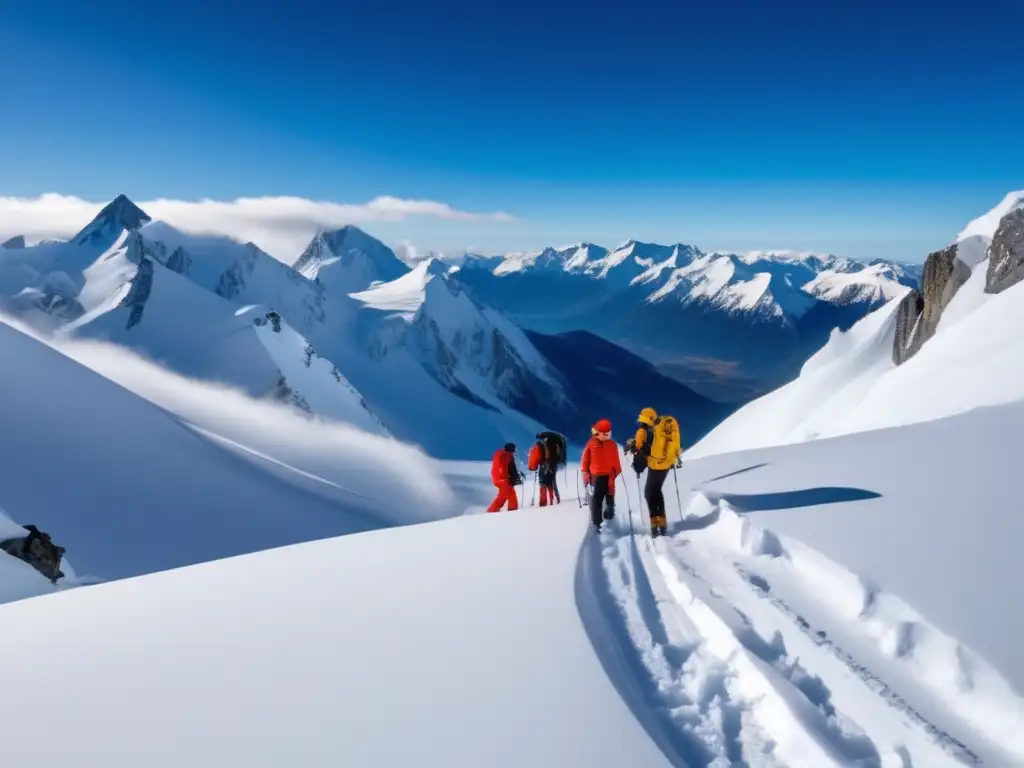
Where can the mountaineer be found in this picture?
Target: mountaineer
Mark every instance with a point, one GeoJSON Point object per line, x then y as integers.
{"type": "Point", "coordinates": [600, 465]}
{"type": "Point", "coordinates": [656, 448]}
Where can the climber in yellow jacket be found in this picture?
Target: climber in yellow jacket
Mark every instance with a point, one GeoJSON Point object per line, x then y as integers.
{"type": "Point", "coordinates": [655, 447]}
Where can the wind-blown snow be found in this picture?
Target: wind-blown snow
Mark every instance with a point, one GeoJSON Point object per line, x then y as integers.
{"type": "Point", "coordinates": [197, 472]}
{"type": "Point", "coordinates": [406, 294]}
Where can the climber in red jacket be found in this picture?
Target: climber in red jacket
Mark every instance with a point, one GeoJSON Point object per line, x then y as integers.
{"type": "Point", "coordinates": [600, 465]}
{"type": "Point", "coordinates": [505, 476]}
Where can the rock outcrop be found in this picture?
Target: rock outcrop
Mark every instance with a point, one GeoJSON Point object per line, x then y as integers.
{"type": "Point", "coordinates": [907, 316]}
{"type": "Point", "coordinates": [137, 296]}
{"type": "Point", "coordinates": [919, 313]}
{"type": "Point", "coordinates": [1006, 259]}
{"type": "Point", "coordinates": [15, 243]}
{"type": "Point", "coordinates": [179, 261]}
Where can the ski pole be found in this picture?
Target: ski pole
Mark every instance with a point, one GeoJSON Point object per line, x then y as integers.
{"type": "Point", "coordinates": [579, 496]}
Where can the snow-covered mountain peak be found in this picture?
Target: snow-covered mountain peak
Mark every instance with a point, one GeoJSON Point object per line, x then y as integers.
{"type": "Point", "coordinates": [986, 224]}
{"type": "Point", "coordinates": [873, 284]}
{"type": "Point", "coordinates": [568, 258]}
{"type": "Point", "coordinates": [349, 260]}
{"type": "Point", "coordinates": [681, 255]}
{"type": "Point", "coordinates": [118, 215]}
{"type": "Point", "coordinates": [722, 280]}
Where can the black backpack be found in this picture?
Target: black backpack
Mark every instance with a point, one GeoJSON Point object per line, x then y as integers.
{"type": "Point", "coordinates": [556, 452]}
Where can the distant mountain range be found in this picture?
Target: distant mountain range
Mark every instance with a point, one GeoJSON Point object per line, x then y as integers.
{"type": "Point", "coordinates": [456, 358]}
{"type": "Point", "coordinates": [729, 326]}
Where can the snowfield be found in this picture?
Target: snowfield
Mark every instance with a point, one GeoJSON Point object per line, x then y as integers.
{"type": "Point", "coordinates": [427, 645]}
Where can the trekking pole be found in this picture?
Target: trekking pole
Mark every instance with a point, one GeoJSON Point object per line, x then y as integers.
{"type": "Point", "coordinates": [579, 496]}
{"type": "Point", "coordinates": [533, 491]}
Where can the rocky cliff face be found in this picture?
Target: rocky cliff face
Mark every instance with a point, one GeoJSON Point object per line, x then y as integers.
{"type": "Point", "coordinates": [1006, 259]}
{"type": "Point", "coordinates": [919, 313]}
{"type": "Point", "coordinates": [16, 243]}
{"type": "Point", "coordinates": [907, 316]}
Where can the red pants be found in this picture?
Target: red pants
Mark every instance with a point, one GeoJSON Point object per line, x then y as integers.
{"type": "Point", "coordinates": [547, 495]}
{"type": "Point", "coordinates": [505, 493]}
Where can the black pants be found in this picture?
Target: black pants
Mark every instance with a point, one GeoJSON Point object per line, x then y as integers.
{"type": "Point", "coordinates": [652, 493]}
{"type": "Point", "coordinates": [601, 497]}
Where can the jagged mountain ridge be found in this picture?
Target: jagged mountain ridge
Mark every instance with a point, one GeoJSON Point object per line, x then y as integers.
{"type": "Point", "coordinates": [720, 323]}
{"type": "Point", "coordinates": [441, 329]}
{"type": "Point", "coordinates": [199, 305]}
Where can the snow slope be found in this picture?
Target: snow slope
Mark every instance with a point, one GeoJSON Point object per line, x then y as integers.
{"type": "Point", "coordinates": [290, 657]}
{"type": "Point", "coordinates": [851, 385]}
{"type": "Point", "coordinates": [924, 591]}
{"type": "Point", "coordinates": [191, 473]}
{"type": "Point", "coordinates": [830, 603]}
{"type": "Point", "coordinates": [831, 385]}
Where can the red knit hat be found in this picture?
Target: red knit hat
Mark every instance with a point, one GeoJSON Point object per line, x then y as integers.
{"type": "Point", "coordinates": [603, 426]}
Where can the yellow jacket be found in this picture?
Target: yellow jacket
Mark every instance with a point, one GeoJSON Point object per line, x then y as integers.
{"type": "Point", "coordinates": [657, 462]}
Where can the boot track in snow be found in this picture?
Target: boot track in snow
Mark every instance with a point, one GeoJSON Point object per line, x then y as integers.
{"type": "Point", "coordinates": [730, 674]}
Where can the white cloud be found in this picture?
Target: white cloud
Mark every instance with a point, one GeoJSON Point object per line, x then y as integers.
{"type": "Point", "coordinates": [280, 225]}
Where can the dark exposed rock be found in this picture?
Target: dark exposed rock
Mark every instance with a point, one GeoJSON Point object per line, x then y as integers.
{"type": "Point", "coordinates": [179, 261]}
{"type": "Point", "coordinates": [1006, 260]}
{"type": "Point", "coordinates": [233, 281]}
{"type": "Point", "coordinates": [15, 243]}
{"type": "Point", "coordinates": [283, 393]}
{"type": "Point", "coordinates": [38, 550]}
{"type": "Point", "coordinates": [907, 315]}
{"type": "Point", "coordinates": [918, 318]}
{"type": "Point", "coordinates": [138, 294]}
{"type": "Point", "coordinates": [118, 215]}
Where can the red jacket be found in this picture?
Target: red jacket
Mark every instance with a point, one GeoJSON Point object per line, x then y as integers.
{"type": "Point", "coordinates": [601, 457]}
{"type": "Point", "coordinates": [499, 467]}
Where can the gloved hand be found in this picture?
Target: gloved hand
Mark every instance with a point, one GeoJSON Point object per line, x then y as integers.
{"type": "Point", "coordinates": [586, 478]}
{"type": "Point", "coordinates": [631, 445]}
{"type": "Point", "coordinates": [639, 463]}
{"type": "Point", "coordinates": [679, 462]}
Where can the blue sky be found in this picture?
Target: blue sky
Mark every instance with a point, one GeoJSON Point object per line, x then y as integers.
{"type": "Point", "coordinates": [865, 130]}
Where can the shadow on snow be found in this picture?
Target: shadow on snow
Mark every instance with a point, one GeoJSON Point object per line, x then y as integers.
{"type": "Point", "coordinates": [803, 497]}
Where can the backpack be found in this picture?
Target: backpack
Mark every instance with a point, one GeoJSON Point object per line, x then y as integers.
{"type": "Point", "coordinates": [666, 444]}
{"type": "Point", "coordinates": [556, 452]}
